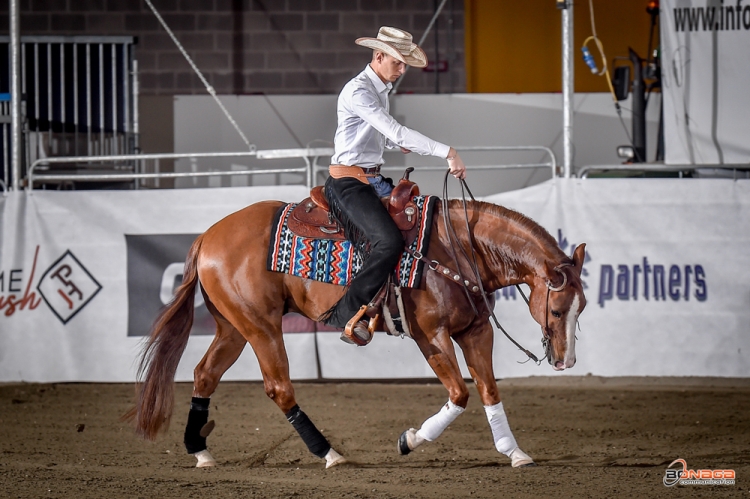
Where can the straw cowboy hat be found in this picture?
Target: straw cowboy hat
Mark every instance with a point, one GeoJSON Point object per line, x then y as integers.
{"type": "Point", "coordinates": [396, 43]}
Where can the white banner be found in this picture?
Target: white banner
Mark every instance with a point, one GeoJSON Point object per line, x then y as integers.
{"type": "Point", "coordinates": [68, 262]}
{"type": "Point", "coordinates": [82, 275]}
{"type": "Point", "coordinates": [667, 275]}
{"type": "Point", "coordinates": [705, 73]}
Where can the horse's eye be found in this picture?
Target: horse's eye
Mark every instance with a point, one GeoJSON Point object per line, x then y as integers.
{"type": "Point", "coordinates": [557, 314]}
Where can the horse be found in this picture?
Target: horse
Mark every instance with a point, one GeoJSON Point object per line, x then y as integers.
{"type": "Point", "coordinates": [247, 302]}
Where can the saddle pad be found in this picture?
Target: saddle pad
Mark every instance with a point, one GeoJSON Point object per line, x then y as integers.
{"type": "Point", "coordinates": [338, 262]}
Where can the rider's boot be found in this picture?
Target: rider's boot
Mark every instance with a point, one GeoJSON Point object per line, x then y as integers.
{"type": "Point", "coordinates": [359, 331]}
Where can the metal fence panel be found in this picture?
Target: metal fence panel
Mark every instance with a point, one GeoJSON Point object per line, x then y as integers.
{"type": "Point", "coordinates": [77, 98]}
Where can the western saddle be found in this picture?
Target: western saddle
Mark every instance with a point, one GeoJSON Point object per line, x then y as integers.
{"type": "Point", "coordinates": [312, 217]}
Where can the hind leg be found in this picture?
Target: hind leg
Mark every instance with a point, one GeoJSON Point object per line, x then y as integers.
{"type": "Point", "coordinates": [223, 352]}
{"type": "Point", "coordinates": [275, 368]}
{"type": "Point", "coordinates": [477, 348]}
{"type": "Point", "coordinates": [265, 336]}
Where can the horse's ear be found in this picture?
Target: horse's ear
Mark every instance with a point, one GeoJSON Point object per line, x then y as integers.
{"type": "Point", "coordinates": [578, 256]}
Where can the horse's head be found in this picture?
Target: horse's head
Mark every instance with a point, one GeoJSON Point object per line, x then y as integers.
{"type": "Point", "coordinates": [556, 301]}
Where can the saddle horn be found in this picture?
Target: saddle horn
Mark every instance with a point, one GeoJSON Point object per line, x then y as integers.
{"type": "Point", "coordinates": [407, 172]}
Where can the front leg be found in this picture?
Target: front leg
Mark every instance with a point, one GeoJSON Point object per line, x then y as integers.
{"type": "Point", "coordinates": [441, 356]}
{"type": "Point", "coordinates": [476, 345]}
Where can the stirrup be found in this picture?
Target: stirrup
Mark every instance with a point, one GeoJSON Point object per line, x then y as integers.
{"type": "Point", "coordinates": [348, 333]}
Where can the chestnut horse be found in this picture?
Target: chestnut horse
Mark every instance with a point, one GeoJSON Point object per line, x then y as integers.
{"type": "Point", "coordinates": [248, 302]}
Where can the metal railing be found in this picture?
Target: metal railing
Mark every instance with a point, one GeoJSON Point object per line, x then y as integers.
{"type": "Point", "coordinates": [310, 156]}
{"type": "Point", "coordinates": [134, 162]}
{"type": "Point", "coordinates": [551, 163]}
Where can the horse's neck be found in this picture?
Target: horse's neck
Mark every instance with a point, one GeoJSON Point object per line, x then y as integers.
{"type": "Point", "coordinates": [511, 250]}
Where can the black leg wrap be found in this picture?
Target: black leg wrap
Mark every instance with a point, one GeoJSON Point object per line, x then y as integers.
{"type": "Point", "coordinates": [315, 441]}
{"type": "Point", "coordinates": [197, 418]}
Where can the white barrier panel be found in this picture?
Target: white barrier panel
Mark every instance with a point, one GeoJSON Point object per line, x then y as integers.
{"type": "Point", "coordinates": [667, 276]}
{"type": "Point", "coordinates": [64, 301]}
{"type": "Point", "coordinates": [705, 70]}
{"type": "Point", "coordinates": [666, 282]}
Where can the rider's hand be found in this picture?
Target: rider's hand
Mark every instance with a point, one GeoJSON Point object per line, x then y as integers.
{"type": "Point", "coordinates": [456, 164]}
{"type": "Point", "coordinates": [405, 150]}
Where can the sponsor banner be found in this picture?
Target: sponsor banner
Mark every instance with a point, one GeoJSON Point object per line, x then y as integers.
{"type": "Point", "coordinates": [83, 274]}
{"type": "Point", "coordinates": [705, 72]}
{"type": "Point", "coordinates": [666, 276]}
{"type": "Point", "coordinates": [154, 270]}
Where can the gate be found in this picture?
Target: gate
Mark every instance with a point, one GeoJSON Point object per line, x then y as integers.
{"type": "Point", "coordinates": [79, 98]}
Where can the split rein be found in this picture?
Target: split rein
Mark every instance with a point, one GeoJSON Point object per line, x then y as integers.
{"type": "Point", "coordinates": [459, 277]}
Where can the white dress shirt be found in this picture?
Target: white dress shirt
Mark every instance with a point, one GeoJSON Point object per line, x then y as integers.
{"type": "Point", "coordinates": [365, 128]}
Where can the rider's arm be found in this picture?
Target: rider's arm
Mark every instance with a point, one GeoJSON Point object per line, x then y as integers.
{"type": "Point", "coordinates": [366, 105]}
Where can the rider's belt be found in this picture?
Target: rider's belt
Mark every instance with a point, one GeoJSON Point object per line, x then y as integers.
{"type": "Point", "coordinates": [361, 174]}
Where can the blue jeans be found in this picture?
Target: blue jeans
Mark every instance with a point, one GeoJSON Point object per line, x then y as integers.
{"type": "Point", "coordinates": [382, 187]}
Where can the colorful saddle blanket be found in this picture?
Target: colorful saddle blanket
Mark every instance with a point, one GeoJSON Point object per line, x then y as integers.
{"type": "Point", "coordinates": [338, 262]}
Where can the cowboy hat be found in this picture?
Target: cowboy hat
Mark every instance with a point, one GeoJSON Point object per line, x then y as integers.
{"type": "Point", "coordinates": [396, 43]}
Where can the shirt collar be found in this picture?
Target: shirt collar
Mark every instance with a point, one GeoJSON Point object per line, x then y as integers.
{"type": "Point", "coordinates": [380, 87]}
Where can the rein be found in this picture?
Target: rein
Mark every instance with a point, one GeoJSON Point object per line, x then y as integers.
{"type": "Point", "coordinates": [453, 238]}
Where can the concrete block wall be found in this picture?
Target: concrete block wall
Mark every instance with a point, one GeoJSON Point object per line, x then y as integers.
{"type": "Point", "coordinates": [256, 46]}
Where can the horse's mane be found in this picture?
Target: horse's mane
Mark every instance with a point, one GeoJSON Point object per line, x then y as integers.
{"type": "Point", "coordinates": [519, 219]}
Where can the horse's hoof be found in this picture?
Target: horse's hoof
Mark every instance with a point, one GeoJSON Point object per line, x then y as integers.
{"type": "Point", "coordinates": [408, 441]}
{"type": "Point", "coordinates": [205, 459]}
{"type": "Point", "coordinates": [519, 459]}
{"type": "Point", "coordinates": [403, 445]}
{"type": "Point", "coordinates": [333, 458]}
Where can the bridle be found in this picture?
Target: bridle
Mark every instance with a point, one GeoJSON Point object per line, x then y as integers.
{"type": "Point", "coordinates": [550, 288]}
{"type": "Point", "coordinates": [453, 238]}
{"type": "Point", "coordinates": [545, 337]}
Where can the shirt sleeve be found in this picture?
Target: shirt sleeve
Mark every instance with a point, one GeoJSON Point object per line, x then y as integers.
{"type": "Point", "coordinates": [368, 107]}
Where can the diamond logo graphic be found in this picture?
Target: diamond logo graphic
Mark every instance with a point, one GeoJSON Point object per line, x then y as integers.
{"type": "Point", "coordinates": [67, 287]}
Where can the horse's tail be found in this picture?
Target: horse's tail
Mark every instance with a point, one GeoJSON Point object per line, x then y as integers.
{"type": "Point", "coordinates": [161, 354]}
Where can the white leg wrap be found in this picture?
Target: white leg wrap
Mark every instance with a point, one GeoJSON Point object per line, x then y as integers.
{"type": "Point", "coordinates": [505, 442]}
{"type": "Point", "coordinates": [434, 426]}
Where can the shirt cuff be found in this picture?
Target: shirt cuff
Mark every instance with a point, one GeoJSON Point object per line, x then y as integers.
{"type": "Point", "coordinates": [442, 150]}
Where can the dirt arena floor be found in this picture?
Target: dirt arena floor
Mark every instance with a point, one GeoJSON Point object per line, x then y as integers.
{"type": "Point", "coordinates": [592, 437]}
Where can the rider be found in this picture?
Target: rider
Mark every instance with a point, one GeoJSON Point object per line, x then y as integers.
{"type": "Point", "coordinates": [355, 184]}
